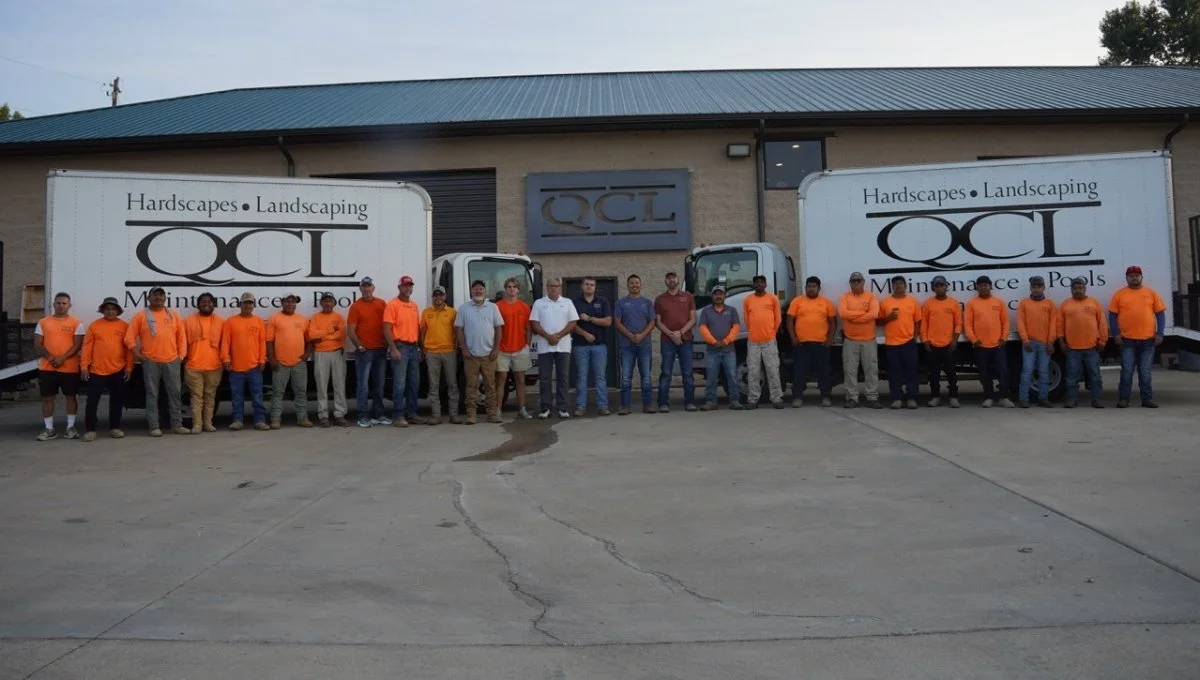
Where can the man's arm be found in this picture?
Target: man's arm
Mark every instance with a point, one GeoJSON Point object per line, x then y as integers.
{"type": "Point", "coordinates": [181, 339]}
{"type": "Point", "coordinates": [969, 325]}
{"type": "Point", "coordinates": [461, 339]}
{"type": "Point", "coordinates": [1102, 325]}
{"type": "Point", "coordinates": [791, 329]}
{"type": "Point", "coordinates": [85, 359]}
{"type": "Point", "coordinates": [691, 323]}
{"type": "Point", "coordinates": [606, 319]}
{"type": "Point", "coordinates": [497, 333]}
{"type": "Point", "coordinates": [778, 312]}
{"type": "Point", "coordinates": [829, 333]}
{"type": "Point", "coordinates": [352, 336]}
{"type": "Point", "coordinates": [262, 348]}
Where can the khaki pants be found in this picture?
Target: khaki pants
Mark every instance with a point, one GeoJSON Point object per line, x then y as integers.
{"type": "Point", "coordinates": [486, 367]}
{"type": "Point", "coordinates": [866, 353]}
{"type": "Point", "coordinates": [442, 366]}
{"type": "Point", "coordinates": [759, 354]}
{"type": "Point", "coordinates": [297, 376]}
{"type": "Point", "coordinates": [330, 366]}
{"type": "Point", "coordinates": [203, 387]}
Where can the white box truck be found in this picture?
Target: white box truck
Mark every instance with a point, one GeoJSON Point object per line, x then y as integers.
{"type": "Point", "coordinates": [120, 234]}
{"type": "Point", "coordinates": [1061, 217]}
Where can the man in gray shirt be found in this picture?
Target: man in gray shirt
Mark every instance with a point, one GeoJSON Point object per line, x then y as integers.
{"type": "Point", "coordinates": [477, 327]}
{"type": "Point", "coordinates": [719, 327]}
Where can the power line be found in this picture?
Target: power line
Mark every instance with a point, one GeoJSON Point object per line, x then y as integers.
{"type": "Point", "coordinates": [52, 70]}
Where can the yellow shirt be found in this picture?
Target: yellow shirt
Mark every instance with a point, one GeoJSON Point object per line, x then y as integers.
{"type": "Point", "coordinates": [438, 325]}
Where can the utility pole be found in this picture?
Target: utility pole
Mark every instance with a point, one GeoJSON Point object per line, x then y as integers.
{"type": "Point", "coordinates": [115, 90]}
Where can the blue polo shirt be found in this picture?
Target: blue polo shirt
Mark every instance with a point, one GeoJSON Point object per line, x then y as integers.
{"type": "Point", "coordinates": [634, 313]}
{"type": "Point", "coordinates": [597, 307]}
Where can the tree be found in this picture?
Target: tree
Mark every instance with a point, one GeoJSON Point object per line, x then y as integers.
{"type": "Point", "coordinates": [1161, 32]}
{"type": "Point", "coordinates": [8, 114]}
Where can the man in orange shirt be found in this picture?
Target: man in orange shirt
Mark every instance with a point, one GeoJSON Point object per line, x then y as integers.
{"type": "Point", "coordinates": [900, 316]}
{"type": "Point", "coordinates": [811, 323]}
{"type": "Point", "coordinates": [1083, 332]}
{"type": "Point", "coordinates": [107, 364]}
{"type": "Point", "coordinates": [244, 354]}
{"type": "Point", "coordinates": [1037, 324]}
{"type": "Point", "coordinates": [288, 350]}
{"type": "Point", "coordinates": [1137, 316]}
{"type": "Point", "coordinates": [986, 323]}
{"type": "Point", "coordinates": [441, 362]}
{"type": "Point", "coordinates": [514, 346]}
{"type": "Point", "coordinates": [159, 342]}
{"type": "Point", "coordinates": [763, 317]}
{"type": "Point", "coordinates": [58, 339]}
{"type": "Point", "coordinates": [941, 319]}
{"type": "Point", "coordinates": [327, 329]}
{"type": "Point", "coordinates": [364, 328]}
{"type": "Point", "coordinates": [202, 366]}
{"type": "Point", "coordinates": [401, 331]}
{"type": "Point", "coordinates": [859, 311]}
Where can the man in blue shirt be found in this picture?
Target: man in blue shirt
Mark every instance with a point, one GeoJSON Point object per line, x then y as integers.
{"type": "Point", "coordinates": [589, 352]}
{"type": "Point", "coordinates": [634, 317]}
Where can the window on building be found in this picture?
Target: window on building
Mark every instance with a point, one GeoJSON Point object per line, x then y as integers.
{"type": "Point", "coordinates": [788, 163]}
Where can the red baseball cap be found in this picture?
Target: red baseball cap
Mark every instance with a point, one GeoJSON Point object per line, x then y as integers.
{"type": "Point", "coordinates": [1133, 270]}
{"type": "Point", "coordinates": [406, 281]}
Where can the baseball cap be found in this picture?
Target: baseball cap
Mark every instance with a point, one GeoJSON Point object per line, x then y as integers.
{"type": "Point", "coordinates": [1079, 279]}
{"type": "Point", "coordinates": [720, 288]}
{"type": "Point", "coordinates": [160, 289]}
{"type": "Point", "coordinates": [406, 280]}
{"type": "Point", "coordinates": [248, 297]}
{"type": "Point", "coordinates": [1133, 269]}
{"type": "Point", "coordinates": [856, 275]}
{"type": "Point", "coordinates": [366, 281]}
{"type": "Point", "coordinates": [940, 279]}
{"type": "Point", "coordinates": [439, 290]}
{"type": "Point", "coordinates": [1037, 281]}
{"type": "Point", "coordinates": [293, 297]}
{"type": "Point", "coordinates": [328, 296]}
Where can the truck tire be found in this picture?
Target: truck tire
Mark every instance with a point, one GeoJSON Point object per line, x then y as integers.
{"type": "Point", "coordinates": [1057, 383]}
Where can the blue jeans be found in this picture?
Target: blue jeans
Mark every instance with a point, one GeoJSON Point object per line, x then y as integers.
{"type": "Point", "coordinates": [406, 381]}
{"type": "Point", "coordinates": [368, 372]}
{"type": "Point", "coordinates": [591, 359]}
{"type": "Point", "coordinates": [238, 382]}
{"type": "Point", "coordinates": [725, 361]}
{"type": "Point", "coordinates": [1041, 357]}
{"type": "Point", "coordinates": [669, 353]}
{"type": "Point", "coordinates": [1139, 354]}
{"type": "Point", "coordinates": [992, 363]}
{"type": "Point", "coordinates": [902, 370]}
{"type": "Point", "coordinates": [640, 355]}
{"type": "Point", "coordinates": [1077, 360]}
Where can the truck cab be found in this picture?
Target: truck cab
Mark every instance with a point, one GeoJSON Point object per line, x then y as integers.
{"type": "Point", "coordinates": [734, 265]}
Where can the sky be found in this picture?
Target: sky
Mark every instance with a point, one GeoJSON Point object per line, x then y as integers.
{"type": "Point", "coordinates": [56, 56]}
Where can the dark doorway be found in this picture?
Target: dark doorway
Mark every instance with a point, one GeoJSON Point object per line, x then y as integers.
{"type": "Point", "coordinates": [606, 287]}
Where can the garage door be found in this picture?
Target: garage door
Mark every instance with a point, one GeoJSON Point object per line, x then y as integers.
{"type": "Point", "coordinates": [464, 207]}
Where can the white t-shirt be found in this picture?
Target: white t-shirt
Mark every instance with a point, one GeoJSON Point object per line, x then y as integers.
{"type": "Point", "coordinates": [553, 315]}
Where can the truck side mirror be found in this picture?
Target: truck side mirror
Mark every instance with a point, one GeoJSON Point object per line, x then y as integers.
{"type": "Point", "coordinates": [537, 280]}
{"type": "Point", "coordinates": [689, 273]}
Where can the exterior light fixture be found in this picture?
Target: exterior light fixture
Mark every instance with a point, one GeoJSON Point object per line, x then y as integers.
{"type": "Point", "coordinates": [737, 150]}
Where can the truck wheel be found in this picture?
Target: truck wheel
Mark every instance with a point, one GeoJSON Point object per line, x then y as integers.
{"type": "Point", "coordinates": [1056, 383]}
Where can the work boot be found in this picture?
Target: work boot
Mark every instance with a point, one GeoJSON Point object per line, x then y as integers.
{"type": "Point", "coordinates": [261, 426]}
{"type": "Point", "coordinates": [116, 434]}
{"type": "Point", "coordinates": [275, 424]}
{"type": "Point", "coordinates": [1006, 403]}
{"type": "Point", "coordinates": [690, 408]}
{"type": "Point", "coordinates": [826, 402]}
{"type": "Point", "coordinates": [235, 425]}
{"type": "Point", "coordinates": [954, 402]}
{"type": "Point", "coordinates": [935, 402]}
{"type": "Point", "coordinates": [1071, 403]}
{"type": "Point", "coordinates": [709, 407]}
{"type": "Point", "coordinates": [1024, 404]}
{"type": "Point", "coordinates": [623, 411]}
{"type": "Point", "coordinates": [987, 403]}
{"type": "Point", "coordinates": [400, 422]}
{"type": "Point", "coordinates": [156, 432]}
{"type": "Point", "coordinates": [752, 406]}
{"type": "Point", "coordinates": [911, 403]}
{"type": "Point", "coordinates": [435, 419]}
{"type": "Point", "coordinates": [1149, 403]}
{"type": "Point", "coordinates": [89, 436]}
{"type": "Point", "coordinates": [495, 418]}
{"type": "Point", "coordinates": [605, 412]}
{"type": "Point", "coordinates": [197, 428]}
{"type": "Point", "coordinates": [1096, 403]}
{"type": "Point", "coordinates": [850, 403]}
{"type": "Point", "coordinates": [209, 427]}
{"type": "Point", "coordinates": [874, 403]}
{"type": "Point", "coordinates": [341, 421]}
{"type": "Point", "coordinates": [323, 421]}
{"type": "Point", "coordinates": [736, 406]}
{"type": "Point", "coordinates": [777, 404]}
{"type": "Point", "coordinates": [1045, 403]}
{"type": "Point", "coordinates": [797, 403]}
{"type": "Point", "coordinates": [180, 430]}
{"type": "Point", "coordinates": [1123, 403]}
{"type": "Point", "coordinates": [469, 420]}
{"type": "Point", "coordinates": [304, 422]}
{"type": "Point", "coordinates": [897, 404]}
{"type": "Point", "coordinates": [579, 413]}
{"type": "Point", "coordinates": [664, 409]}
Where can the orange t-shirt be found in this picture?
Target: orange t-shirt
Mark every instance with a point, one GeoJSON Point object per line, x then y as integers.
{"type": "Point", "coordinates": [1037, 320]}
{"type": "Point", "coordinates": [289, 332]}
{"type": "Point", "coordinates": [762, 316]}
{"type": "Point", "coordinates": [244, 343]}
{"type": "Point", "coordinates": [941, 321]}
{"type": "Point", "coordinates": [328, 331]}
{"type": "Point", "coordinates": [367, 319]}
{"type": "Point", "coordinates": [1082, 323]}
{"type": "Point", "coordinates": [903, 328]}
{"type": "Point", "coordinates": [859, 315]}
{"type": "Point", "coordinates": [104, 350]}
{"type": "Point", "coordinates": [58, 337]}
{"type": "Point", "coordinates": [987, 321]}
{"type": "Point", "coordinates": [513, 336]}
{"type": "Point", "coordinates": [204, 341]}
{"type": "Point", "coordinates": [1135, 310]}
{"type": "Point", "coordinates": [405, 318]}
{"type": "Point", "coordinates": [812, 317]}
{"type": "Point", "coordinates": [167, 343]}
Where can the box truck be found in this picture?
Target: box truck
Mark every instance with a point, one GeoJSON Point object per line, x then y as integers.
{"type": "Point", "coordinates": [1061, 217]}
{"type": "Point", "coordinates": [120, 234]}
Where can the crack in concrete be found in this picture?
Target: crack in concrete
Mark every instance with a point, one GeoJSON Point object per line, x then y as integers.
{"type": "Point", "coordinates": [422, 473]}
{"type": "Point", "coordinates": [510, 574]}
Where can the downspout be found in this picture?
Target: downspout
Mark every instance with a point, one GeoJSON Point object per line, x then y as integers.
{"type": "Point", "coordinates": [1174, 131]}
{"type": "Point", "coordinates": [288, 155]}
{"type": "Point", "coordinates": [760, 169]}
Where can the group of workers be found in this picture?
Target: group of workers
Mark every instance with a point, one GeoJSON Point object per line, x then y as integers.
{"type": "Point", "coordinates": [494, 340]}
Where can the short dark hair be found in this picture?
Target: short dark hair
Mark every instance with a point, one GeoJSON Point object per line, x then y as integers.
{"type": "Point", "coordinates": [812, 279]}
{"type": "Point", "coordinates": [58, 295]}
{"type": "Point", "coordinates": [899, 279]}
{"type": "Point", "coordinates": [759, 277]}
{"type": "Point", "coordinates": [478, 282]}
{"type": "Point", "coordinates": [210, 296]}
{"type": "Point", "coordinates": [983, 278]}
{"type": "Point", "coordinates": [632, 277]}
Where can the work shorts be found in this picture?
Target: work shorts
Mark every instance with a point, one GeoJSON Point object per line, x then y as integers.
{"type": "Point", "coordinates": [52, 382]}
{"type": "Point", "coordinates": [517, 362]}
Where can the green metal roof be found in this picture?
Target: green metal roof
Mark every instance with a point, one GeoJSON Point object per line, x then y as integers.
{"type": "Point", "coordinates": [577, 99]}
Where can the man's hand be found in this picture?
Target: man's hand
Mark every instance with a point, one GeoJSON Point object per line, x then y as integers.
{"type": "Point", "coordinates": [585, 317]}
{"type": "Point", "coordinates": [720, 344]}
{"type": "Point", "coordinates": [954, 344]}
{"type": "Point", "coordinates": [1117, 338]}
{"type": "Point", "coordinates": [493, 355]}
{"type": "Point", "coordinates": [466, 354]}
{"type": "Point", "coordinates": [129, 374]}
{"type": "Point", "coordinates": [225, 363]}
{"type": "Point", "coordinates": [56, 361]}
{"type": "Point", "coordinates": [84, 375]}
{"type": "Point", "coordinates": [977, 344]}
{"type": "Point", "coordinates": [306, 356]}
{"type": "Point", "coordinates": [895, 314]}
{"type": "Point", "coordinates": [261, 366]}
{"type": "Point", "coordinates": [928, 345]}
{"type": "Point", "coordinates": [137, 353]}
{"type": "Point", "coordinates": [589, 337]}
{"type": "Point", "coordinates": [1028, 346]}
{"type": "Point", "coordinates": [393, 353]}
{"type": "Point", "coordinates": [1158, 339]}
{"type": "Point", "coordinates": [274, 364]}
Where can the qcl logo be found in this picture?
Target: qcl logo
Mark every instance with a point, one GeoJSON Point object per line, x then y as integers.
{"type": "Point", "coordinates": [179, 254]}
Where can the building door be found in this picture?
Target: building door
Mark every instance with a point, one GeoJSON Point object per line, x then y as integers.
{"type": "Point", "coordinates": [606, 287]}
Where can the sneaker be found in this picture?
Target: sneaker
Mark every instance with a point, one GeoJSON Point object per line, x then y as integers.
{"type": "Point", "coordinates": [987, 403]}
{"type": "Point", "coordinates": [341, 421]}
{"type": "Point", "coordinates": [1024, 404]}
{"type": "Point", "coordinates": [433, 420]}
{"type": "Point", "coordinates": [935, 402]}
{"type": "Point", "coordinates": [874, 403]}
{"type": "Point", "coordinates": [797, 402]}
{"type": "Point", "coordinates": [323, 422]}
{"type": "Point", "coordinates": [826, 402]}
{"type": "Point", "coordinates": [850, 403]}
{"type": "Point", "coordinates": [237, 425]}
{"type": "Point", "coordinates": [752, 406]}
{"type": "Point", "coordinates": [400, 422]}
{"type": "Point", "coordinates": [275, 424]}
{"type": "Point", "coordinates": [381, 420]}
{"type": "Point", "coordinates": [89, 436]}
{"type": "Point", "coordinates": [524, 415]}
{"type": "Point", "coordinates": [709, 407]}
{"type": "Point", "coordinates": [494, 418]}
{"type": "Point", "coordinates": [209, 427]}
{"type": "Point", "coordinates": [605, 412]}
{"type": "Point", "coordinates": [564, 414]}
{"type": "Point", "coordinates": [304, 422]}
{"type": "Point", "coordinates": [545, 413]}
{"type": "Point", "coordinates": [690, 408]}
{"type": "Point", "coordinates": [156, 432]}
{"type": "Point", "coordinates": [415, 420]}
{"type": "Point", "coordinates": [649, 409]}
{"type": "Point", "coordinates": [469, 420]}
{"type": "Point", "coordinates": [47, 435]}
{"type": "Point", "coordinates": [897, 404]}
{"type": "Point", "coordinates": [579, 413]}
{"type": "Point", "coordinates": [116, 434]}
{"type": "Point", "coordinates": [455, 420]}
{"type": "Point", "coordinates": [72, 433]}
{"type": "Point", "coordinates": [363, 422]}
{"type": "Point", "coordinates": [181, 430]}
{"type": "Point", "coordinates": [954, 402]}
{"type": "Point", "coordinates": [911, 404]}
{"type": "Point", "coordinates": [777, 404]}
{"type": "Point", "coordinates": [197, 429]}
{"type": "Point", "coordinates": [1071, 403]}
{"type": "Point", "coordinates": [1045, 403]}
{"type": "Point", "coordinates": [1149, 403]}
{"type": "Point", "coordinates": [624, 411]}
{"type": "Point", "coordinates": [262, 427]}
{"type": "Point", "coordinates": [1007, 403]}
{"type": "Point", "coordinates": [736, 406]}
{"type": "Point", "coordinates": [1096, 403]}
{"type": "Point", "coordinates": [664, 409]}
{"type": "Point", "coordinates": [1123, 403]}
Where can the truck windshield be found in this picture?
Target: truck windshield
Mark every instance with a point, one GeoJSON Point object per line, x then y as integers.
{"type": "Point", "coordinates": [495, 272]}
{"type": "Point", "coordinates": [734, 269]}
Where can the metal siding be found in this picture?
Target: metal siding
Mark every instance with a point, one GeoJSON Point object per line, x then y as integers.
{"type": "Point", "coordinates": [590, 96]}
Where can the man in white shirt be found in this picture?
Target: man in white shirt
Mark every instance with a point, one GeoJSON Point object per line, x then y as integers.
{"type": "Point", "coordinates": [553, 320]}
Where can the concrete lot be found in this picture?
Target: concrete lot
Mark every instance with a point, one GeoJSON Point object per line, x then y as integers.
{"type": "Point", "coordinates": [815, 543]}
